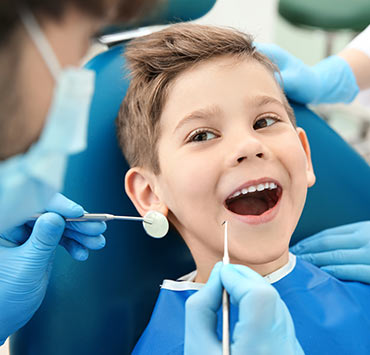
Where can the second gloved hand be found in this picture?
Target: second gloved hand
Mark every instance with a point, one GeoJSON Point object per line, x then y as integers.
{"type": "Point", "coordinates": [343, 251]}
{"type": "Point", "coordinates": [264, 325]}
{"type": "Point", "coordinates": [329, 81]}
{"type": "Point", "coordinates": [27, 253]}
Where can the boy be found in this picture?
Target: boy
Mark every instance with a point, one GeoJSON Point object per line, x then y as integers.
{"type": "Point", "coordinates": [210, 137]}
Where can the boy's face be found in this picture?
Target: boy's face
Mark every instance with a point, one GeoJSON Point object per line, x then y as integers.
{"type": "Point", "coordinates": [224, 130]}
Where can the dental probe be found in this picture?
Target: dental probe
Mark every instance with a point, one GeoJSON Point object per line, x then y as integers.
{"type": "Point", "coordinates": [155, 223]}
{"type": "Point", "coordinates": [225, 302]}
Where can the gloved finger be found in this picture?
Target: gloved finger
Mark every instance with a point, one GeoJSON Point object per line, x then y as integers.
{"type": "Point", "coordinates": [75, 249]}
{"type": "Point", "coordinates": [64, 206]}
{"type": "Point", "coordinates": [279, 79]}
{"type": "Point", "coordinates": [45, 235]}
{"type": "Point", "coordinates": [209, 296]}
{"type": "Point", "coordinates": [295, 88]}
{"type": "Point", "coordinates": [7, 244]}
{"type": "Point", "coordinates": [289, 81]}
{"type": "Point", "coordinates": [91, 238]}
{"type": "Point", "coordinates": [331, 239]}
{"type": "Point", "coordinates": [201, 316]}
{"type": "Point", "coordinates": [360, 273]}
{"type": "Point", "coordinates": [93, 242]}
{"type": "Point", "coordinates": [239, 280]}
{"type": "Point", "coordinates": [17, 235]}
{"type": "Point", "coordinates": [49, 269]}
{"type": "Point", "coordinates": [89, 228]}
{"type": "Point", "coordinates": [250, 291]}
{"type": "Point", "coordinates": [337, 257]}
{"type": "Point", "coordinates": [277, 55]}
{"type": "Point", "coordinates": [345, 229]}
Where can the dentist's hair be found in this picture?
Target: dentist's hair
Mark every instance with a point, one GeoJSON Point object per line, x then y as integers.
{"type": "Point", "coordinates": [127, 11]}
{"type": "Point", "coordinates": [14, 41]}
{"type": "Point", "coordinates": [154, 62]}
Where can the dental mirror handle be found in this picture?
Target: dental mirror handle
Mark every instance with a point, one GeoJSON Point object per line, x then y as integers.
{"type": "Point", "coordinates": [100, 217]}
{"type": "Point", "coordinates": [155, 223]}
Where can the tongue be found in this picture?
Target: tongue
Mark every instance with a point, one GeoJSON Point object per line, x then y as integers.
{"type": "Point", "coordinates": [248, 206]}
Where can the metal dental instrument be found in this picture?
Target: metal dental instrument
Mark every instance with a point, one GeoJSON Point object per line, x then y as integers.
{"type": "Point", "coordinates": [100, 217]}
{"type": "Point", "coordinates": [155, 223]}
{"type": "Point", "coordinates": [225, 302]}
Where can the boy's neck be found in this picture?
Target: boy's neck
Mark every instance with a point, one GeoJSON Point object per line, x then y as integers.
{"type": "Point", "coordinates": [204, 269]}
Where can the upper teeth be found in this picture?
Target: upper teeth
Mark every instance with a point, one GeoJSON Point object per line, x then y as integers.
{"type": "Point", "coordinates": [254, 188]}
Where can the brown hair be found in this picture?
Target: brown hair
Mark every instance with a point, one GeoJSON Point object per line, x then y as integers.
{"type": "Point", "coordinates": [120, 10]}
{"type": "Point", "coordinates": [154, 61]}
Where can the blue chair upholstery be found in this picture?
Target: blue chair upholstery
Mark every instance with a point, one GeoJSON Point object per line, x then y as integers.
{"type": "Point", "coordinates": [341, 194]}
{"type": "Point", "coordinates": [101, 306]}
{"type": "Point", "coordinates": [166, 12]}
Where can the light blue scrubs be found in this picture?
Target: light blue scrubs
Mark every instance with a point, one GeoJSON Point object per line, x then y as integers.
{"type": "Point", "coordinates": [330, 316]}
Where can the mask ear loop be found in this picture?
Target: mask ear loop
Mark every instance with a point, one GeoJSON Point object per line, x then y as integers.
{"type": "Point", "coordinates": [39, 39]}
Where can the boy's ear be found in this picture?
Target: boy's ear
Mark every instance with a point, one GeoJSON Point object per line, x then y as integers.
{"type": "Point", "coordinates": [311, 178]}
{"type": "Point", "coordinates": [139, 186]}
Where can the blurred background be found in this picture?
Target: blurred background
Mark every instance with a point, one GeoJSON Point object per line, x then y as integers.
{"type": "Point", "coordinates": [309, 43]}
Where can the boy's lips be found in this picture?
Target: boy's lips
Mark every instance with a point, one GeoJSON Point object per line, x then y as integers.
{"type": "Point", "coordinates": [256, 201]}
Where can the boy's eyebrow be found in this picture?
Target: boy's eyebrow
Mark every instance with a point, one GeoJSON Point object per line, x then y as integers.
{"type": "Point", "coordinates": [199, 115]}
{"type": "Point", "coordinates": [265, 100]}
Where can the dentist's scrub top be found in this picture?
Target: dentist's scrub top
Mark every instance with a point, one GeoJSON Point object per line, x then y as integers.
{"type": "Point", "coordinates": [330, 316]}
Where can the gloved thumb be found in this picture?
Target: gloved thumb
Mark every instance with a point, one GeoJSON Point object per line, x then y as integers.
{"type": "Point", "coordinates": [201, 317]}
{"type": "Point", "coordinates": [45, 235]}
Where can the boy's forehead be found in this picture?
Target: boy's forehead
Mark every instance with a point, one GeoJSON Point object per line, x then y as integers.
{"type": "Point", "coordinates": [210, 82]}
{"type": "Point", "coordinates": [220, 64]}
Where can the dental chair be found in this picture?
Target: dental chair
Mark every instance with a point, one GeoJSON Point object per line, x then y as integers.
{"type": "Point", "coordinates": [330, 16]}
{"type": "Point", "coordinates": [101, 306]}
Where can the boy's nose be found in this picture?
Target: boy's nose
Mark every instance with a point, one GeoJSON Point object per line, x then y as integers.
{"type": "Point", "coordinates": [258, 155]}
{"type": "Point", "coordinates": [247, 148]}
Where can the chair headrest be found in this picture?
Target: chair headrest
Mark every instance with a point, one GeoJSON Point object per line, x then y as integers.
{"type": "Point", "coordinates": [166, 12]}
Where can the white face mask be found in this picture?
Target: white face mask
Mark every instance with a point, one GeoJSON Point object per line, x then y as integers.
{"type": "Point", "coordinates": [28, 181]}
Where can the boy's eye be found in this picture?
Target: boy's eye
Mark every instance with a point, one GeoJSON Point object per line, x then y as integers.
{"type": "Point", "coordinates": [201, 136]}
{"type": "Point", "coordinates": [265, 122]}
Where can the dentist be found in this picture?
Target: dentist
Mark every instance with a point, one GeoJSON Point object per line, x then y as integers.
{"type": "Point", "coordinates": [45, 99]}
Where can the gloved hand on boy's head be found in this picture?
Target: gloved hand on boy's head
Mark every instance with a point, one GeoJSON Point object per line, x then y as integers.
{"type": "Point", "coordinates": [329, 81]}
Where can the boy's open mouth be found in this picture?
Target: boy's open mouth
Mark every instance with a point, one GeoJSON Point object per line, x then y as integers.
{"type": "Point", "coordinates": [255, 199]}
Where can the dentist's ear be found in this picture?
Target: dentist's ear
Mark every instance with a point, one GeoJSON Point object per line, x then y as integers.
{"type": "Point", "coordinates": [311, 178]}
{"type": "Point", "coordinates": [139, 186]}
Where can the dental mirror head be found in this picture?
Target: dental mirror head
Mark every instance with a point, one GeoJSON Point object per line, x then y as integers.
{"type": "Point", "coordinates": [155, 224]}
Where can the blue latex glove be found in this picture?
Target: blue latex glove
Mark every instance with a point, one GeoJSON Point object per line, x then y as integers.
{"type": "Point", "coordinates": [264, 325]}
{"type": "Point", "coordinates": [329, 81]}
{"type": "Point", "coordinates": [343, 251]}
{"type": "Point", "coordinates": [26, 256]}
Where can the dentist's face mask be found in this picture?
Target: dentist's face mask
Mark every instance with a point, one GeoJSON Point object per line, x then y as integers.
{"type": "Point", "coordinates": [28, 181]}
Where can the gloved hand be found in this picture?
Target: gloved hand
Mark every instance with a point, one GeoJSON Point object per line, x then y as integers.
{"type": "Point", "coordinates": [264, 325]}
{"type": "Point", "coordinates": [343, 251]}
{"type": "Point", "coordinates": [26, 260]}
{"type": "Point", "coordinates": [329, 81]}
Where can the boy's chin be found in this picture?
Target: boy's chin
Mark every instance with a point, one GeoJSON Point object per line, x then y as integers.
{"type": "Point", "coordinates": [262, 257]}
